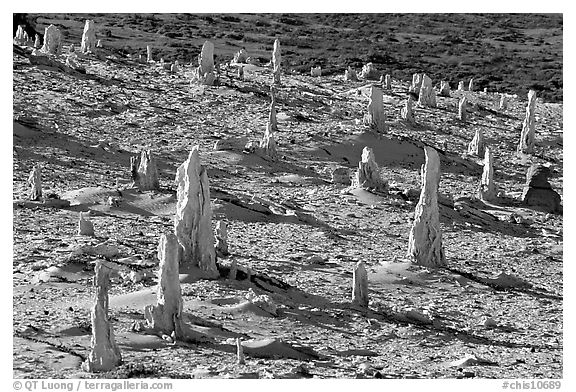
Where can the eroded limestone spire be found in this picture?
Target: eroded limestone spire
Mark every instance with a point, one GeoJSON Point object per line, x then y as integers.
{"type": "Point", "coordinates": [241, 56]}
{"type": "Point", "coordinates": [88, 37]}
{"type": "Point", "coordinates": [416, 84]}
{"type": "Point", "coordinates": [477, 145]}
{"type": "Point", "coordinates": [316, 71]}
{"type": "Point", "coordinates": [35, 183]}
{"type": "Point", "coordinates": [425, 241]}
{"type": "Point", "coordinates": [360, 285]}
{"type": "Point", "coordinates": [273, 123]}
{"type": "Point", "coordinates": [388, 82]}
{"type": "Point", "coordinates": [368, 174]}
{"type": "Point", "coordinates": [375, 118]}
{"type": "Point", "coordinates": [268, 143]}
{"type": "Point", "coordinates": [427, 96]}
{"type": "Point", "coordinates": [85, 226]}
{"type": "Point", "coordinates": [526, 144]}
{"type": "Point", "coordinates": [406, 113]}
{"type": "Point", "coordinates": [350, 74]}
{"type": "Point", "coordinates": [166, 315]}
{"type": "Point", "coordinates": [538, 191]}
{"type": "Point", "coordinates": [21, 36]}
{"type": "Point", "coordinates": [240, 352]}
{"type": "Point", "coordinates": [207, 57]}
{"type": "Point", "coordinates": [444, 89]}
{"type": "Point", "coordinates": [369, 72]}
{"type": "Point", "coordinates": [462, 109]}
{"type": "Point", "coordinates": [221, 234]}
{"type": "Point", "coordinates": [175, 67]}
{"type": "Point", "coordinates": [487, 189]}
{"type": "Point", "coordinates": [144, 171]}
{"type": "Point", "coordinates": [276, 62]}
{"type": "Point", "coordinates": [52, 40]}
{"type": "Point", "coordinates": [503, 102]}
{"type": "Point", "coordinates": [205, 73]}
{"type": "Point", "coordinates": [193, 220]}
{"type": "Point", "coordinates": [104, 354]}
{"type": "Point", "coordinates": [149, 58]}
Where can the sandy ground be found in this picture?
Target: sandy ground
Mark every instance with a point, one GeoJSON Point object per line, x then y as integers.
{"type": "Point", "coordinates": [286, 221]}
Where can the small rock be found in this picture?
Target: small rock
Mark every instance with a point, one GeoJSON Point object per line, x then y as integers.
{"type": "Point", "coordinates": [316, 71]}
{"type": "Point", "coordinates": [350, 74]}
{"type": "Point", "coordinates": [135, 276]}
{"type": "Point", "coordinates": [241, 56]}
{"type": "Point", "coordinates": [418, 316]}
{"type": "Point", "coordinates": [314, 259]}
{"type": "Point", "coordinates": [167, 338]}
{"type": "Point", "coordinates": [263, 301]}
{"type": "Point", "coordinates": [105, 250]}
{"type": "Point", "coordinates": [85, 226]}
{"type": "Point", "coordinates": [538, 192]}
{"type": "Point", "coordinates": [369, 72]}
{"type": "Point", "coordinates": [240, 352]}
{"type": "Point", "coordinates": [468, 360]}
{"type": "Point", "coordinates": [114, 201]}
{"type": "Point", "coordinates": [462, 111]}
{"type": "Point", "coordinates": [488, 322]}
{"type": "Point", "coordinates": [137, 326]}
{"type": "Point", "coordinates": [301, 369]}
{"type": "Point", "coordinates": [341, 175]}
